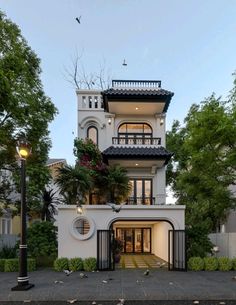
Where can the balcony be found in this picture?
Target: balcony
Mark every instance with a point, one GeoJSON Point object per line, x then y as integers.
{"type": "Point", "coordinates": [140, 201]}
{"type": "Point", "coordinates": [136, 141]}
{"type": "Point", "coordinates": [152, 84]}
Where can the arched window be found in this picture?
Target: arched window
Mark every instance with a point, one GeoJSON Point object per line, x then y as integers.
{"type": "Point", "coordinates": [92, 133]}
{"type": "Point", "coordinates": [135, 133]}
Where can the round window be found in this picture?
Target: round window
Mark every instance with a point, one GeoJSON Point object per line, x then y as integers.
{"type": "Point", "coordinates": [82, 228]}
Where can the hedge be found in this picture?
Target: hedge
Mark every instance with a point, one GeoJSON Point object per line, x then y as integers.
{"type": "Point", "coordinates": [75, 264]}
{"type": "Point", "coordinates": [12, 265]}
{"type": "Point", "coordinates": [212, 263]}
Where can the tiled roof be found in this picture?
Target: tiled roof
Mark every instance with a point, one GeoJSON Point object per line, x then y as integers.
{"type": "Point", "coordinates": [138, 91]}
{"type": "Point", "coordinates": [123, 152]}
{"type": "Point", "coordinates": [53, 161]}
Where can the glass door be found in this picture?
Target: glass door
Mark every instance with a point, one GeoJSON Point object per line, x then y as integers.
{"type": "Point", "coordinates": [129, 241]}
{"type": "Point", "coordinates": [137, 240]}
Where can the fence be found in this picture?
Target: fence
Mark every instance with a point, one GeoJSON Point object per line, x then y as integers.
{"type": "Point", "coordinates": [226, 243]}
{"type": "Point", "coordinates": [8, 240]}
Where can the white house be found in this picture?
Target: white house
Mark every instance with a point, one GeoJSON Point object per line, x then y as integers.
{"type": "Point", "coordinates": [127, 122]}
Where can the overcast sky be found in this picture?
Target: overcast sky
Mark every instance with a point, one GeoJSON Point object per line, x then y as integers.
{"type": "Point", "coordinates": [189, 45]}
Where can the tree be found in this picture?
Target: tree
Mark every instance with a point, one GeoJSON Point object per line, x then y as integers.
{"type": "Point", "coordinates": [49, 203]}
{"type": "Point", "coordinates": [204, 164]}
{"type": "Point", "coordinates": [74, 182]}
{"type": "Point", "coordinates": [24, 108]}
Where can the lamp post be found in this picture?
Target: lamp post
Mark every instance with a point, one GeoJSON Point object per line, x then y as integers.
{"type": "Point", "coordinates": [23, 150]}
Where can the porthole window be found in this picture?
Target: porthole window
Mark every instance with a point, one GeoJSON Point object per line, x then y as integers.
{"type": "Point", "coordinates": [92, 133]}
{"type": "Point", "coordinates": [82, 228]}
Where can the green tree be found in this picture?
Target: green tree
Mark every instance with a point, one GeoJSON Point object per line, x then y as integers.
{"type": "Point", "coordinates": [24, 108]}
{"type": "Point", "coordinates": [74, 182]}
{"type": "Point", "coordinates": [48, 204]}
{"type": "Point", "coordinates": [204, 164]}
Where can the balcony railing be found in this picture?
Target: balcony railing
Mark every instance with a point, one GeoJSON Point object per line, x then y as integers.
{"type": "Point", "coordinates": [136, 141]}
{"type": "Point", "coordinates": [140, 201]}
{"type": "Point", "coordinates": [152, 84]}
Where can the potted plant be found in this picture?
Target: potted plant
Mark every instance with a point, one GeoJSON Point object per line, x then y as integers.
{"type": "Point", "coordinates": [117, 249]}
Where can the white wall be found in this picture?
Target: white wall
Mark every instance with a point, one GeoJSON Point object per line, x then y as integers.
{"type": "Point", "coordinates": [160, 239]}
{"type": "Point", "coordinates": [103, 216]}
{"type": "Point", "coordinates": [226, 243]}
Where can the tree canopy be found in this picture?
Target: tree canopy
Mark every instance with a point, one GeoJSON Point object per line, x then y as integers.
{"type": "Point", "coordinates": [24, 107]}
{"type": "Point", "coordinates": [203, 168]}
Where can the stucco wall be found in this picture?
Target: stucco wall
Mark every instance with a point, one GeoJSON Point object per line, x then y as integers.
{"type": "Point", "coordinates": [102, 217]}
{"type": "Point", "coordinates": [160, 239]}
{"type": "Point", "coordinates": [226, 243]}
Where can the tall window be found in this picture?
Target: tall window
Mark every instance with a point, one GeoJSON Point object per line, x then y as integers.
{"type": "Point", "coordinates": [6, 225]}
{"type": "Point", "coordinates": [92, 133]}
{"type": "Point", "coordinates": [141, 192]}
{"type": "Point", "coordinates": [135, 133]}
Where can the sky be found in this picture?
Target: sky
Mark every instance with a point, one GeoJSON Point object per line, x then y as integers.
{"type": "Point", "coordinates": [189, 45]}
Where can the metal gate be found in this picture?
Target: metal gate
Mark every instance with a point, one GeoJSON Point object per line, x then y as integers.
{"type": "Point", "coordinates": [177, 250]}
{"type": "Point", "coordinates": [105, 257]}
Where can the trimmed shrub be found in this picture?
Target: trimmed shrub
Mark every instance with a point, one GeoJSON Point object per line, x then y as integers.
{"type": "Point", "coordinates": [224, 264]}
{"type": "Point", "coordinates": [211, 263]}
{"type": "Point", "coordinates": [2, 263]}
{"type": "Point", "coordinates": [76, 264]}
{"type": "Point", "coordinates": [31, 264]}
{"type": "Point", "coordinates": [11, 265]}
{"type": "Point", "coordinates": [90, 264]}
{"type": "Point", "coordinates": [196, 263]}
{"type": "Point", "coordinates": [233, 260]}
{"type": "Point", "coordinates": [45, 261]}
{"type": "Point", "coordinates": [61, 264]}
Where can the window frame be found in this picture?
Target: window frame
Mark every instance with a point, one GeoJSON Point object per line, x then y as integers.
{"type": "Point", "coordinates": [91, 127]}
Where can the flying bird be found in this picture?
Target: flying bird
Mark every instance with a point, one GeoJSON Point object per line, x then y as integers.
{"type": "Point", "coordinates": [67, 272]}
{"type": "Point", "coordinates": [115, 208]}
{"type": "Point", "coordinates": [78, 19]}
{"type": "Point", "coordinates": [146, 272]}
{"type": "Point", "coordinates": [124, 63]}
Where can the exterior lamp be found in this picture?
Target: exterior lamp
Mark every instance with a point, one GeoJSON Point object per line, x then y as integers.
{"type": "Point", "coordinates": [23, 149]}
{"type": "Point", "coordinates": [79, 209]}
{"type": "Point", "coordinates": [161, 120]}
{"type": "Point", "coordinates": [109, 121]}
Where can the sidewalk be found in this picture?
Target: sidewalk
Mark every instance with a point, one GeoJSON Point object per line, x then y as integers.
{"type": "Point", "coordinates": [123, 283]}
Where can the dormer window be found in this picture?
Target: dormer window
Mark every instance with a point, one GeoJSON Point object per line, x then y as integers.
{"type": "Point", "coordinates": [92, 133]}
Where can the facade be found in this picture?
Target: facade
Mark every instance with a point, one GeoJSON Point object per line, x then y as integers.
{"type": "Point", "coordinates": [127, 122]}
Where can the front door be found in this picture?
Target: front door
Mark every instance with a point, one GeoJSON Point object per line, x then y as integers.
{"type": "Point", "coordinates": [135, 240]}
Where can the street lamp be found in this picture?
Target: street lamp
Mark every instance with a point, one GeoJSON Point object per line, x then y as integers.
{"type": "Point", "coordinates": [23, 149]}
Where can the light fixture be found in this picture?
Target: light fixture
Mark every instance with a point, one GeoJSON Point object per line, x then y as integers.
{"type": "Point", "coordinates": [161, 120]}
{"type": "Point", "coordinates": [136, 164]}
{"type": "Point", "coordinates": [23, 149]}
{"type": "Point", "coordinates": [136, 108]}
{"type": "Point", "coordinates": [79, 209]}
{"type": "Point", "coordinates": [109, 121]}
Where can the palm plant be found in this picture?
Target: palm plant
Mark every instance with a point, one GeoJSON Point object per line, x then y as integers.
{"type": "Point", "coordinates": [49, 203]}
{"type": "Point", "coordinates": [118, 185]}
{"type": "Point", "coordinates": [74, 182]}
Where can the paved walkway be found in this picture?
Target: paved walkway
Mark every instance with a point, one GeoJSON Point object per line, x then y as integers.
{"type": "Point", "coordinates": [130, 284]}
{"type": "Point", "coordinates": [147, 261]}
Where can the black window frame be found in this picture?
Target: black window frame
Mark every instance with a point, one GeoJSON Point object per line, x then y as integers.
{"type": "Point", "coordinates": [90, 127]}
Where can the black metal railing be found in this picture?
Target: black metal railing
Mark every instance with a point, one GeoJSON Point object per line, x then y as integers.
{"type": "Point", "coordinates": [140, 201]}
{"type": "Point", "coordinates": [136, 141]}
{"type": "Point", "coordinates": [136, 83]}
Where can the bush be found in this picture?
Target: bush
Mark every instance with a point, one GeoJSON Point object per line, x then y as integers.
{"type": "Point", "coordinates": [31, 264]}
{"type": "Point", "coordinates": [225, 264]}
{"type": "Point", "coordinates": [90, 264]}
{"type": "Point", "coordinates": [42, 239]}
{"type": "Point", "coordinates": [233, 260]}
{"type": "Point", "coordinates": [11, 265]}
{"type": "Point", "coordinates": [61, 264]}
{"type": "Point", "coordinates": [2, 263]}
{"type": "Point", "coordinates": [76, 264]}
{"type": "Point", "coordinates": [8, 252]}
{"type": "Point", "coordinates": [211, 263]}
{"type": "Point", "coordinates": [196, 263]}
{"type": "Point", "coordinates": [45, 261]}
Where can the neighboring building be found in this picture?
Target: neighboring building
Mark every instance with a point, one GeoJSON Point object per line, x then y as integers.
{"type": "Point", "coordinates": [127, 122]}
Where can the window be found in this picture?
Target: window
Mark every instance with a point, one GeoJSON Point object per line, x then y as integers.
{"type": "Point", "coordinates": [141, 192]}
{"type": "Point", "coordinates": [134, 133]}
{"type": "Point", "coordinates": [82, 228]}
{"type": "Point", "coordinates": [6, 226]}
{"type": "Point", "coordinates": [92, 133]}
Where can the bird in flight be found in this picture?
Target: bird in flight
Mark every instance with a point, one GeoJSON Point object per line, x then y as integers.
{"type": "Point", "coordinates": [115, 208]}
{"type": "Point", "coordinates": [124, 63]}
{"type": "Point", "coordinates": [78, 19]}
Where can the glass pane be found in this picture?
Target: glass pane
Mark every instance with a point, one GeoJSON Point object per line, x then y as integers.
{"type": "Point", "coordinates": [147, 189]}
{"type": "Point", "coordinates": [139, 191]}
{"type": "Point", "coordinates": [129, 240]}
{"type": "Point", "coordinates": [3, 226]}
{"type": "Point", "coordinates": [120, 234]}
{"type": "Point", "coordinates": [92, 134]}
{"type": "Point", "coordinates": [146, 240]}
{"type": "Point", "coordinates": [147, 129]}
{"type": "Point", "coordinates": [135, 128]}
{"type": "Point", "coordinates": [122, 128]}
{"type": "Point", "coordinates": [132, 188]}
{"type": "Point", "coordinates": [138, 240]}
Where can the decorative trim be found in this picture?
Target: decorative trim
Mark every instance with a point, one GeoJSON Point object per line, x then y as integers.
{"type": "Point", "coordinates": [79, 236]}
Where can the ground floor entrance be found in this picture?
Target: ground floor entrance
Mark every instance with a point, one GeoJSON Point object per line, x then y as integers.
{"type": "Point", "coordinates": [135, 240]}
{"type": "Point", "coordinates": [142, 261]}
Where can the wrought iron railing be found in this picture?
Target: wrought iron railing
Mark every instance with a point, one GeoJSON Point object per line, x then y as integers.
{"type": "Point", "coordinates": [136, 141]}
{"type": "Point", "coordinates": [136, 84]}
{"type": "Point", "coordinates": [140, 201]}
